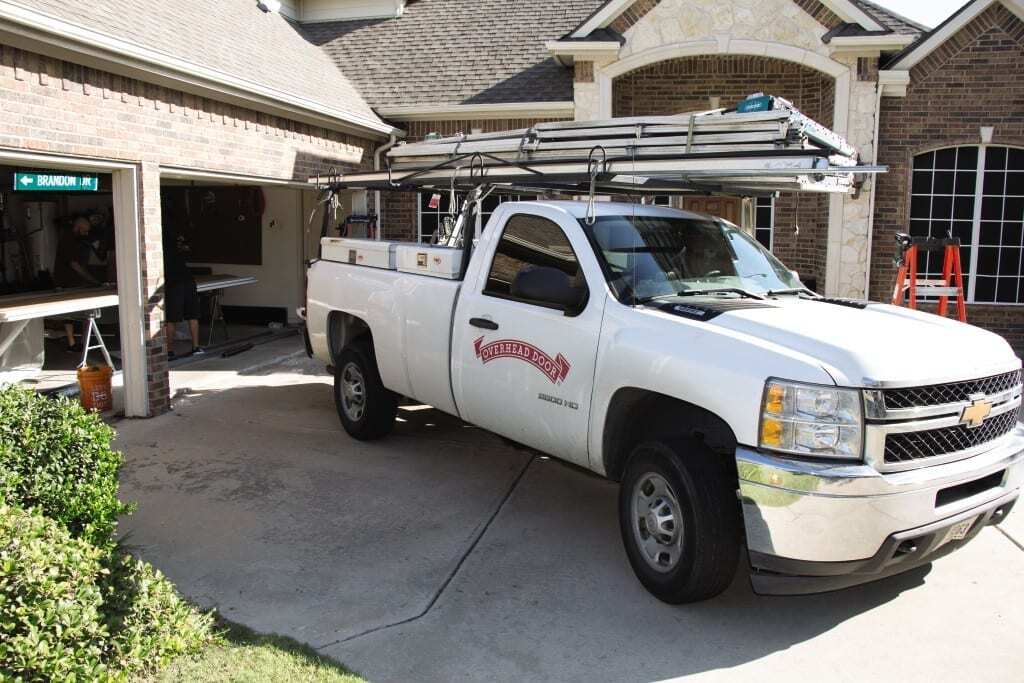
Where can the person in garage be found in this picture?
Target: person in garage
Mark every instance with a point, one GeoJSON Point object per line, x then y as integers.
{"type": "Point", "coordinates": [181, 297]}
{"type": "Point", "coordinates": [70, 268]}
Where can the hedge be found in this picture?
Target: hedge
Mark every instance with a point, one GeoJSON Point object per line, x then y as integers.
{"type": "Point", "coordinates": [72, 607]}
{"type": "Point", "coordinates": [56, 457]}
{"type": "Point", "coordinates": [71, 611]}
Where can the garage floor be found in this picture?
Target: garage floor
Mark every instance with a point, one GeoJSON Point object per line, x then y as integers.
{"type": "Point", "coordinates": [441, 554]}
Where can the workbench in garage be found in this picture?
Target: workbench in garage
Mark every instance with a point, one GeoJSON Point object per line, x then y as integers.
{"type": "Point", "coordinates": [21, 324]}
{"type": "Point", "coordinates": [21, 318]}
{"type": "Point", "coordinates": [214, 285]}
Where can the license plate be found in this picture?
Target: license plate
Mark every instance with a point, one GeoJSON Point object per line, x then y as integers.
{"type": "Point", "coordinates": [959, 531]}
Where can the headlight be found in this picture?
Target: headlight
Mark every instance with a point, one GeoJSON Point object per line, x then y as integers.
{"type": "Point", "coordinates": [811, 420]}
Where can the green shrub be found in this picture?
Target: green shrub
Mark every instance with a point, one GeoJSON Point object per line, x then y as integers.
{"type": "Point", "coordinates": [51, 625]}
{"type": "Point", "coordinates": [56, 457]}
{"type": "Point", "coordinates": [149, 624]}
{"type": "Point", "coordinates": [70, 611]}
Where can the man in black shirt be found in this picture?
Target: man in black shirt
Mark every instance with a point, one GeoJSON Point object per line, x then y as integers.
{"type": "Point", "coordinates": [70, 267]}
{"type": "Point", "coordinates": [181, 299]}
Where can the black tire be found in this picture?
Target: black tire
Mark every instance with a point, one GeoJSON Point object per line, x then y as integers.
{"type": "Point", "coordinates": [703, 564]}
{"type": "Point", "coordinates": [378, 406]}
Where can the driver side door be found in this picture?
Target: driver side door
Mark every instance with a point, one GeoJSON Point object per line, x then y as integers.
{"type": "Point", "coordinates": [524, 367]}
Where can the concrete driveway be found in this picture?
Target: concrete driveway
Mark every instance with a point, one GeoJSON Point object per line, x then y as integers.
{"type": "Point", "coordinates": [441, 554]}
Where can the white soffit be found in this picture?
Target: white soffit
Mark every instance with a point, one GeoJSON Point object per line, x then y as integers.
{"type": "Point", "coordinates": [951, 28]}
{"type": "Point", "coordinates": [894, 82]}
{"type": "Point", "coordinates": [584, 49]}
{"type": "Point", "coordinates": [885, 41]}
{"type": "Point", "coordinates": [316, 11]}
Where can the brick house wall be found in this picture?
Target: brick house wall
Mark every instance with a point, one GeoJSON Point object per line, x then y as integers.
{"type": "Point", "coordinates": [55, 106]}
{"type": "Point", "coordinates": [687, 84]}
{"type": "Point", "coordinates": [400, 211]}
{"type": "Point", "coordinates": [975, 79]}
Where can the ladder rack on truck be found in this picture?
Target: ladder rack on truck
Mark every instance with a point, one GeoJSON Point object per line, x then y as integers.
{"type": "Point", "coordinates": [763, 146]}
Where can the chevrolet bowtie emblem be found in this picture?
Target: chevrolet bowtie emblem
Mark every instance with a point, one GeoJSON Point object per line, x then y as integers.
{"type": "Point", "coordinates": [974, 415]}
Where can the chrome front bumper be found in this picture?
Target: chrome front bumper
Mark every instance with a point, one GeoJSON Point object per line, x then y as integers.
{"type": "Point", "coordinates": [818, 519]}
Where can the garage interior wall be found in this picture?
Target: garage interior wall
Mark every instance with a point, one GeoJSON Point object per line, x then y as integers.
{"type": "Point", "coordinates": [280, 277]}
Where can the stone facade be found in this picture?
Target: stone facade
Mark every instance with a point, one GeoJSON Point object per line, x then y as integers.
{"type": "Point", "coordinates": [55, 106]}
{"type": "Point", "coordinates": [975, 79]}
{"type": "Point", "coordinates": [723, 21]}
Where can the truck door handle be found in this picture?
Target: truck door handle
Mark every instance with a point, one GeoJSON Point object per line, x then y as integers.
{"type": "Point", "coordinates": [483, 323]}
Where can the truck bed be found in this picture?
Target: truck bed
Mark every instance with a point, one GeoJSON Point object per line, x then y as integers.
{"type": "Point", "coordinates": [411, 316]}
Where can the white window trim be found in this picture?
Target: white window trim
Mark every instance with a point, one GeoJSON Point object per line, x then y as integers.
{"type": "Point", "coordinates": [979, 194]}
{"type": "Point", "coordinates": [771, 225]}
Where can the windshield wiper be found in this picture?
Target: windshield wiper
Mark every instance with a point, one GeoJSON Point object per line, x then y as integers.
{"type": "Point", "coordinates": [721, 290]}
{"type": "Point", "coordinates": [640, 301]}
{"type": "Point", "coordinates": [793, 290]}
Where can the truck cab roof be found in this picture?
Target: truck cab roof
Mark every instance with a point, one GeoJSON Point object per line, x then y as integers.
{"type": "Point", "coordinates": [578, 209]}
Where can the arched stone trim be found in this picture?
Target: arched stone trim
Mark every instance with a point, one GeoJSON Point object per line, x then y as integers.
{"type": "Point", "coordinates": [726, 46]}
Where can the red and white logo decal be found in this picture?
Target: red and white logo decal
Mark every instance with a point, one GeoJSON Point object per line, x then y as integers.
{"type": "Point", "coordinates": [555, 369]}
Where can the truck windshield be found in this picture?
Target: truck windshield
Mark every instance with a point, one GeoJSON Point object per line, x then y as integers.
{"type": "Point", "coordinates": [653, 256]}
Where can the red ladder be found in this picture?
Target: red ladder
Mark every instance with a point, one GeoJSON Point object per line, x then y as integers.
{"type": "Point", "coordinates": [950, 284]}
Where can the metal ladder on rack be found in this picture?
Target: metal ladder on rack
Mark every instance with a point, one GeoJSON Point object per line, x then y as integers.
{"type": "Point", "coordinates": [911, 288]}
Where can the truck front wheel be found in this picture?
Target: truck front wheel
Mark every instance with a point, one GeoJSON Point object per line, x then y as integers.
{"type": "Point", "coordinates": [680, 520]}
{"type": "Point", "coordinates": [366, 408]}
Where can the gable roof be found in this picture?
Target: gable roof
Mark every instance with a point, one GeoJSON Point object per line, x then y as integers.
{"type": "Point", "coordinates": [933, 39]}
{"type": "Point", "coordinates": [230, 41]}
{"type": "Point", "coordinates": [451, 52]}
{"type": "Point", "coordinates": [889, 20]}
{"type": "Point", "coordinates": [883, 19]}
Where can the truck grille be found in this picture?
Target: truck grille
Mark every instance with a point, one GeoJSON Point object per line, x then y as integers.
{"type": "Point", "coordinates": [954, 392]}
{"type": "Point", "coordinates": [910, 446]}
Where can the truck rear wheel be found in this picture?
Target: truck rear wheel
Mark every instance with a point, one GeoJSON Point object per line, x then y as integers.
{"type": "Point", "coordinates": [366, 408]}
{"type": "Point", "coordinates": [680, 520]}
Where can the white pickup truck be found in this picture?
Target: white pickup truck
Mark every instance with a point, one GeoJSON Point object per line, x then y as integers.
{"type": "Point", "coordinates": [840, 441]}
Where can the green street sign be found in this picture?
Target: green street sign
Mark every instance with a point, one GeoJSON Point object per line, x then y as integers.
{"type": "Point", "coordinates": [55, 182]}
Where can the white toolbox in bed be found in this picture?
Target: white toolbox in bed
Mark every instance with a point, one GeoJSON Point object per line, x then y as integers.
{"type": "Point", "coordinates": [373, 253]}
{"type": "Point", "coordinates": [443, 262]}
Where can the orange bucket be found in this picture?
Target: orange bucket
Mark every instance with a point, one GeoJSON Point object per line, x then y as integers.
{"type": "Point", "coordinates": [94, 384]}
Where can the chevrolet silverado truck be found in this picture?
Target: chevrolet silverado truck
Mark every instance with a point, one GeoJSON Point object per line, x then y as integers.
{"type": "Point", "coordinates": [837, 441]}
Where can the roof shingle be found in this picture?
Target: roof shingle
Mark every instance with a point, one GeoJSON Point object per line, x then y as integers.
{"type": "Point", "coordinates": [457, 51]}
{"type": "Point", "coordinates": [232, 37]}
{"type": "Point", "coordinates": [890, 20]}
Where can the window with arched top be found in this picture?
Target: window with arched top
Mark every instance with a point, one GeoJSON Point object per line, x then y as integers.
{"type": "Point", "coordinates": [975, 193]}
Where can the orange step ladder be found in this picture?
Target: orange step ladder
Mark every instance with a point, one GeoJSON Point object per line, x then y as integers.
{"type": "Point", "coordinates": [950, 284]}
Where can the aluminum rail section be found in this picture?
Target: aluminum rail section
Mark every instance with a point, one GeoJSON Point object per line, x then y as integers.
{"type": "Point", "coordinates": [671, 175]}
{"type": "Point", "coordinates": [715, 151]}
{"type": "Point", "coordinates": [696, 132]}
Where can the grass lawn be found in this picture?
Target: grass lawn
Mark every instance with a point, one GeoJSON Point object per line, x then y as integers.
{"type": "Point", "coordinates": [243, 655]}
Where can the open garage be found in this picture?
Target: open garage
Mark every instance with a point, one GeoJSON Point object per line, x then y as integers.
{"type": "Point", "coordinates": [138, 139]}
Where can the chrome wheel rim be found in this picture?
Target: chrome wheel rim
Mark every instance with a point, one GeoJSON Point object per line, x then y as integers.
{"type": "Point", "coordinates": [657, 524]}
{"type": "Point", "coordinates": [353, 392]}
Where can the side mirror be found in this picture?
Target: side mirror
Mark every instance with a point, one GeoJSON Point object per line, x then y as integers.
{"type": "Point", "coordinates": [549, 286]}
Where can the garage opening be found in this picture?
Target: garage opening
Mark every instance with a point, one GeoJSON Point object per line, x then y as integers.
{"type": "Point", "coordinates": [58, 274]}
{"type": "Point", "coordinates": [234, 254]}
